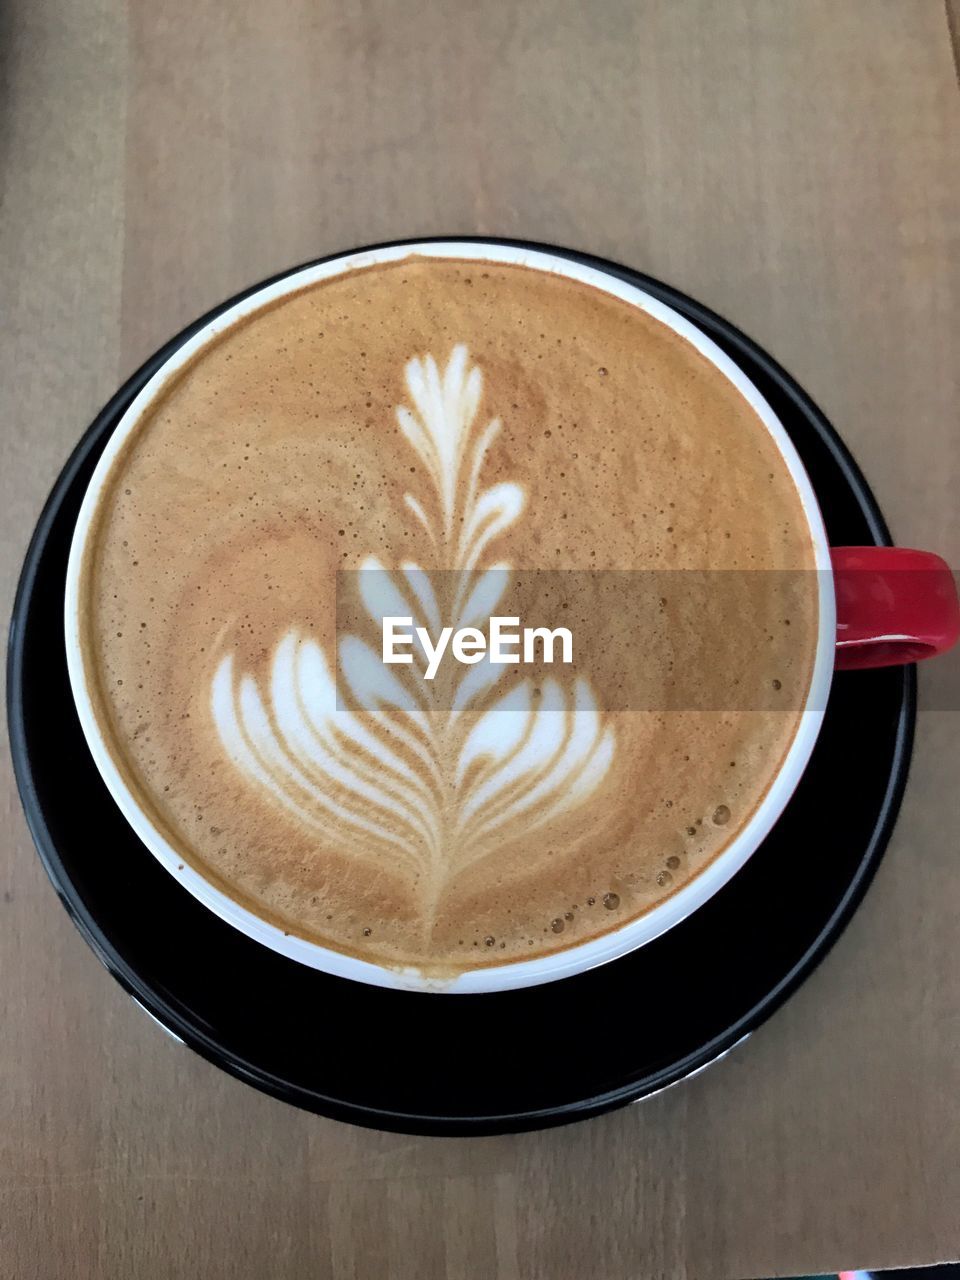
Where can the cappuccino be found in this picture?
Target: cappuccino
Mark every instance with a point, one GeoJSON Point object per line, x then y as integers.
{"type": "Point", "coordinates": [408, 436]}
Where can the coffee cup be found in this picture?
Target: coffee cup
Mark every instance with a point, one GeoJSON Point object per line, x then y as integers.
{"type": "Point", "coordinates": [198, 510]}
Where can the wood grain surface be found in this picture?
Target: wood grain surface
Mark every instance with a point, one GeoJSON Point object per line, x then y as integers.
{"type": "Point", "coordinates": [796, 166]}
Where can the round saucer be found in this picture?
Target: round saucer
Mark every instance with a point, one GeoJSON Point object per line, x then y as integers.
{"type": "Point", "coordinates": [423, 1063]}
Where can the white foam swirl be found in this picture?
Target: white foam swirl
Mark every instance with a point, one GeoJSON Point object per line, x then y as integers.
{"type": "Point", "coordinates": [383, 771]}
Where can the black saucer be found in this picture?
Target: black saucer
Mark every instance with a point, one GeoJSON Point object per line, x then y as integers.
{"type": "Point", "coordinates": [467, 1064]}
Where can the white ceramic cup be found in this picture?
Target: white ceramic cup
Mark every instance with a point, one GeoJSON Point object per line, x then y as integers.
{"type": "Point", "coordinates": [575, 959]}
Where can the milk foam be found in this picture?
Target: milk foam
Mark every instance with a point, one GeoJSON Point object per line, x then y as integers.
{"type": "Point", "coordinates": [432, 434]}
{"type": "Point", "coordinates": [400, 777]}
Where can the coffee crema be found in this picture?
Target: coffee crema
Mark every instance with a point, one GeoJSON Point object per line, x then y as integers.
{"type": "Point", "coordinates": [445, 423]}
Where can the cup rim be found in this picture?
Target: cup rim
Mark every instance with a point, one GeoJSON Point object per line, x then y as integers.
{"type": "Point", "coordinates": [563, 963]}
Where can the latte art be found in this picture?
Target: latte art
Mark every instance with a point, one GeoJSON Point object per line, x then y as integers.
{"type": "Point", "coordinates": [448, 441]}
{"type": "Point", "coordinates": [434, 786]}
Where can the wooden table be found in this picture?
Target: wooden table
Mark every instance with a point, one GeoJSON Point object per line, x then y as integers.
{"type": "Point", "coordinates": [796, 165]}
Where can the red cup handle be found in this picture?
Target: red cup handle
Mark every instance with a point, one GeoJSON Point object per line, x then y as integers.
{"type": "Point", "coordinates": [894, 606]}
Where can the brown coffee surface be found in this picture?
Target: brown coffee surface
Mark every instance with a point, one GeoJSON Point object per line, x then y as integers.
{"type": "Point", "coordinates": [350, 425]}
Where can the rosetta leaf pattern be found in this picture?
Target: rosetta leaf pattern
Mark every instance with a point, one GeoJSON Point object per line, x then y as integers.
{"type": "Point", "coordinates": [361, 754]}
